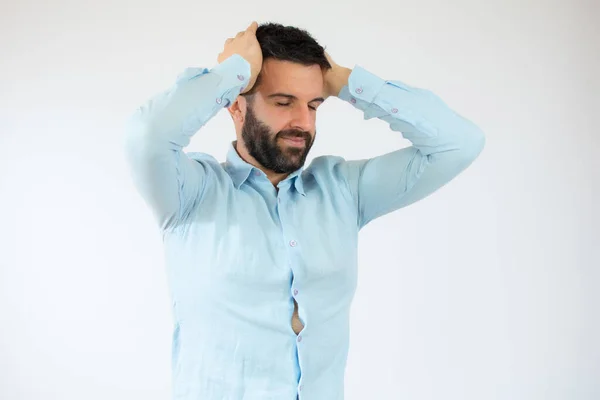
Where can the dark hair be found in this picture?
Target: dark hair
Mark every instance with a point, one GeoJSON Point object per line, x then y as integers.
{"type": "Point", "coordinates": [288, 43]}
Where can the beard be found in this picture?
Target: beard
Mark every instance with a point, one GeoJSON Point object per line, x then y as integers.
{"type": "Point", "coordinates": [268, 149]}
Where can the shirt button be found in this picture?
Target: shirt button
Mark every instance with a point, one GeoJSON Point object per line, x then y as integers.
{"type": "Point", "coordinates": [219, 101]}
{"type": "Point", "coordinates": [295, 292]}
{"type": "Point", "coordinates": [300, 388]}
{"type": "Point", "coordinates": [359, 90]}
{"type": "Point", "coordinates": [241, 77]}
{"type": "Point", "coordinates": [293, 243]}
{"type": "Point", "coordinates": [299, 339]}
{"type": "Point", "coordinates": [257, 173]}
{"type": "Point", "coordinates": [394, 110]}
{"type": "Point", "coordinates": [353, 100]}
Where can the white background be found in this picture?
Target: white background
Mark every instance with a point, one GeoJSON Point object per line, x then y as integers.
{"type": "Point", "coordinates": [488, 289]}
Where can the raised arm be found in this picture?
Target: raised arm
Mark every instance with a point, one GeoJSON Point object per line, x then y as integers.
{"type": "Point", "coordinates": [444, 143]}
{"type": "Point", "coordinates": [171, 183]}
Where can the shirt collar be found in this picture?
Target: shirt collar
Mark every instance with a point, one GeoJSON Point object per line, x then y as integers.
{"type": "Point", "coordinates": [240, 170]}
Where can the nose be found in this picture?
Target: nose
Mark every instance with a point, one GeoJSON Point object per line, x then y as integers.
{"type": "Point", "coordinates": [303, 119]}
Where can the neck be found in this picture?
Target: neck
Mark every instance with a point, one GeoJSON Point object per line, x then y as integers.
{"type": "Point", "coordinates": [242, 151]}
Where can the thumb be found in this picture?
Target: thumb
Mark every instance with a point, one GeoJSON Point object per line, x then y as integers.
{"type": "Point", "coordinates": [253, 27]}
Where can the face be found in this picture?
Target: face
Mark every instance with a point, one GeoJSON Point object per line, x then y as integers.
{"type": "Point", "coordinates": [279, 125]}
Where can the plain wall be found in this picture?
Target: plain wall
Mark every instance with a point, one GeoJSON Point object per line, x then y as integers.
{"type": "Point", "coordinates": [487, 289]}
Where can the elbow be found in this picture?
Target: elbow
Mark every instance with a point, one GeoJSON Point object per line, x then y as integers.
{"type": "Point", "coordinates": [138, 127]}
{"type": "Point", "coordinates": [470, 141]}
{"type": "Point", "coordinates": [139, 137]}
{"type": "Point", "coordinates": [466, 148]}
{"type": "Point", "coordinates": [475, 143]}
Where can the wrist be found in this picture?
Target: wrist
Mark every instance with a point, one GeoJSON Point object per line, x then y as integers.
{"type": "Point", "coordinates": [340, 80]}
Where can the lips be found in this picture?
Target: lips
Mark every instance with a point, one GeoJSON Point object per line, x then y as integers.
{"type": "Point", "coordinates": [295, 140]}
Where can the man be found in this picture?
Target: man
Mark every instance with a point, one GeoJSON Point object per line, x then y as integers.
{"type": "Point", "coordinates": [261, 252]}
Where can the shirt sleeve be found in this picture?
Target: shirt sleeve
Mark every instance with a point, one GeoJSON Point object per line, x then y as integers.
{"type": "Point", "coordinates": [170, 182]}
{"type": "Point", "coordinates": [443, 144]}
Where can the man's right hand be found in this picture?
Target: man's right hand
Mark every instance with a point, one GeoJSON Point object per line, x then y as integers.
{"type": "Point", "coordinates": [246, 45]}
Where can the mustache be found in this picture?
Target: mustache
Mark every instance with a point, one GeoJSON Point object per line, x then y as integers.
{"type": "Point", "coordinates": [295, 134]}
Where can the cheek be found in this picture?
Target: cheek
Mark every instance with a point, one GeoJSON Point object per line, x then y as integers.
{"type": "Point", "coordinates": [278, 124]}
{"type": "Point", "coordinates": [273, 121]}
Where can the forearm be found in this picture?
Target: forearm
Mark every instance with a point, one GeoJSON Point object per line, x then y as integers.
{"type": "Point", "coordinates": [171, 118]}
{"type": "Point", "coordinates": [420, 115]}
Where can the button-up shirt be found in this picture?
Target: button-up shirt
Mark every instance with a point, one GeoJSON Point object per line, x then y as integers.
{"type": "Point", "coordinates": [239, 251]}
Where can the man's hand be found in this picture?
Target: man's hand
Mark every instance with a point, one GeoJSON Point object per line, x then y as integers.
{"type": "Point", "coordinates": [335, 78]}
{"type": "Point", "coordinates": [246, 45]}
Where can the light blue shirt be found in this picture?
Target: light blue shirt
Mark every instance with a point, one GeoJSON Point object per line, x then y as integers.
{"type": "Point", "coordinates": [238, 251]}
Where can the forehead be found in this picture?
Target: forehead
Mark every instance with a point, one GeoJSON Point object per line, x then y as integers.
{"type": "Point", "coordinates": [305, 82]}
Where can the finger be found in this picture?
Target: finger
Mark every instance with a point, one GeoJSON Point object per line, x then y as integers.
{"type": "Point", "coordinates": [253, 27]}
{"type": "Point", "coordinates": [228, 40]}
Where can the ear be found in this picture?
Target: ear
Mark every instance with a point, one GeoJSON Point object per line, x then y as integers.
{"type": "Point", "coordinates": [237, 110]}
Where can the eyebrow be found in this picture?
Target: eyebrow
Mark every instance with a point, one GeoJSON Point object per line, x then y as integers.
{"type": "Point", "coordinates": [292, 97]}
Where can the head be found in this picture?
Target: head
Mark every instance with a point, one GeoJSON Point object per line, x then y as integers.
{"type": "Point", "coordinates": [275, 120]}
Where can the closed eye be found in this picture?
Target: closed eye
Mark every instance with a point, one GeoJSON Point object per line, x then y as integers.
{"type": "Point", "coordinates": [288, 104]}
